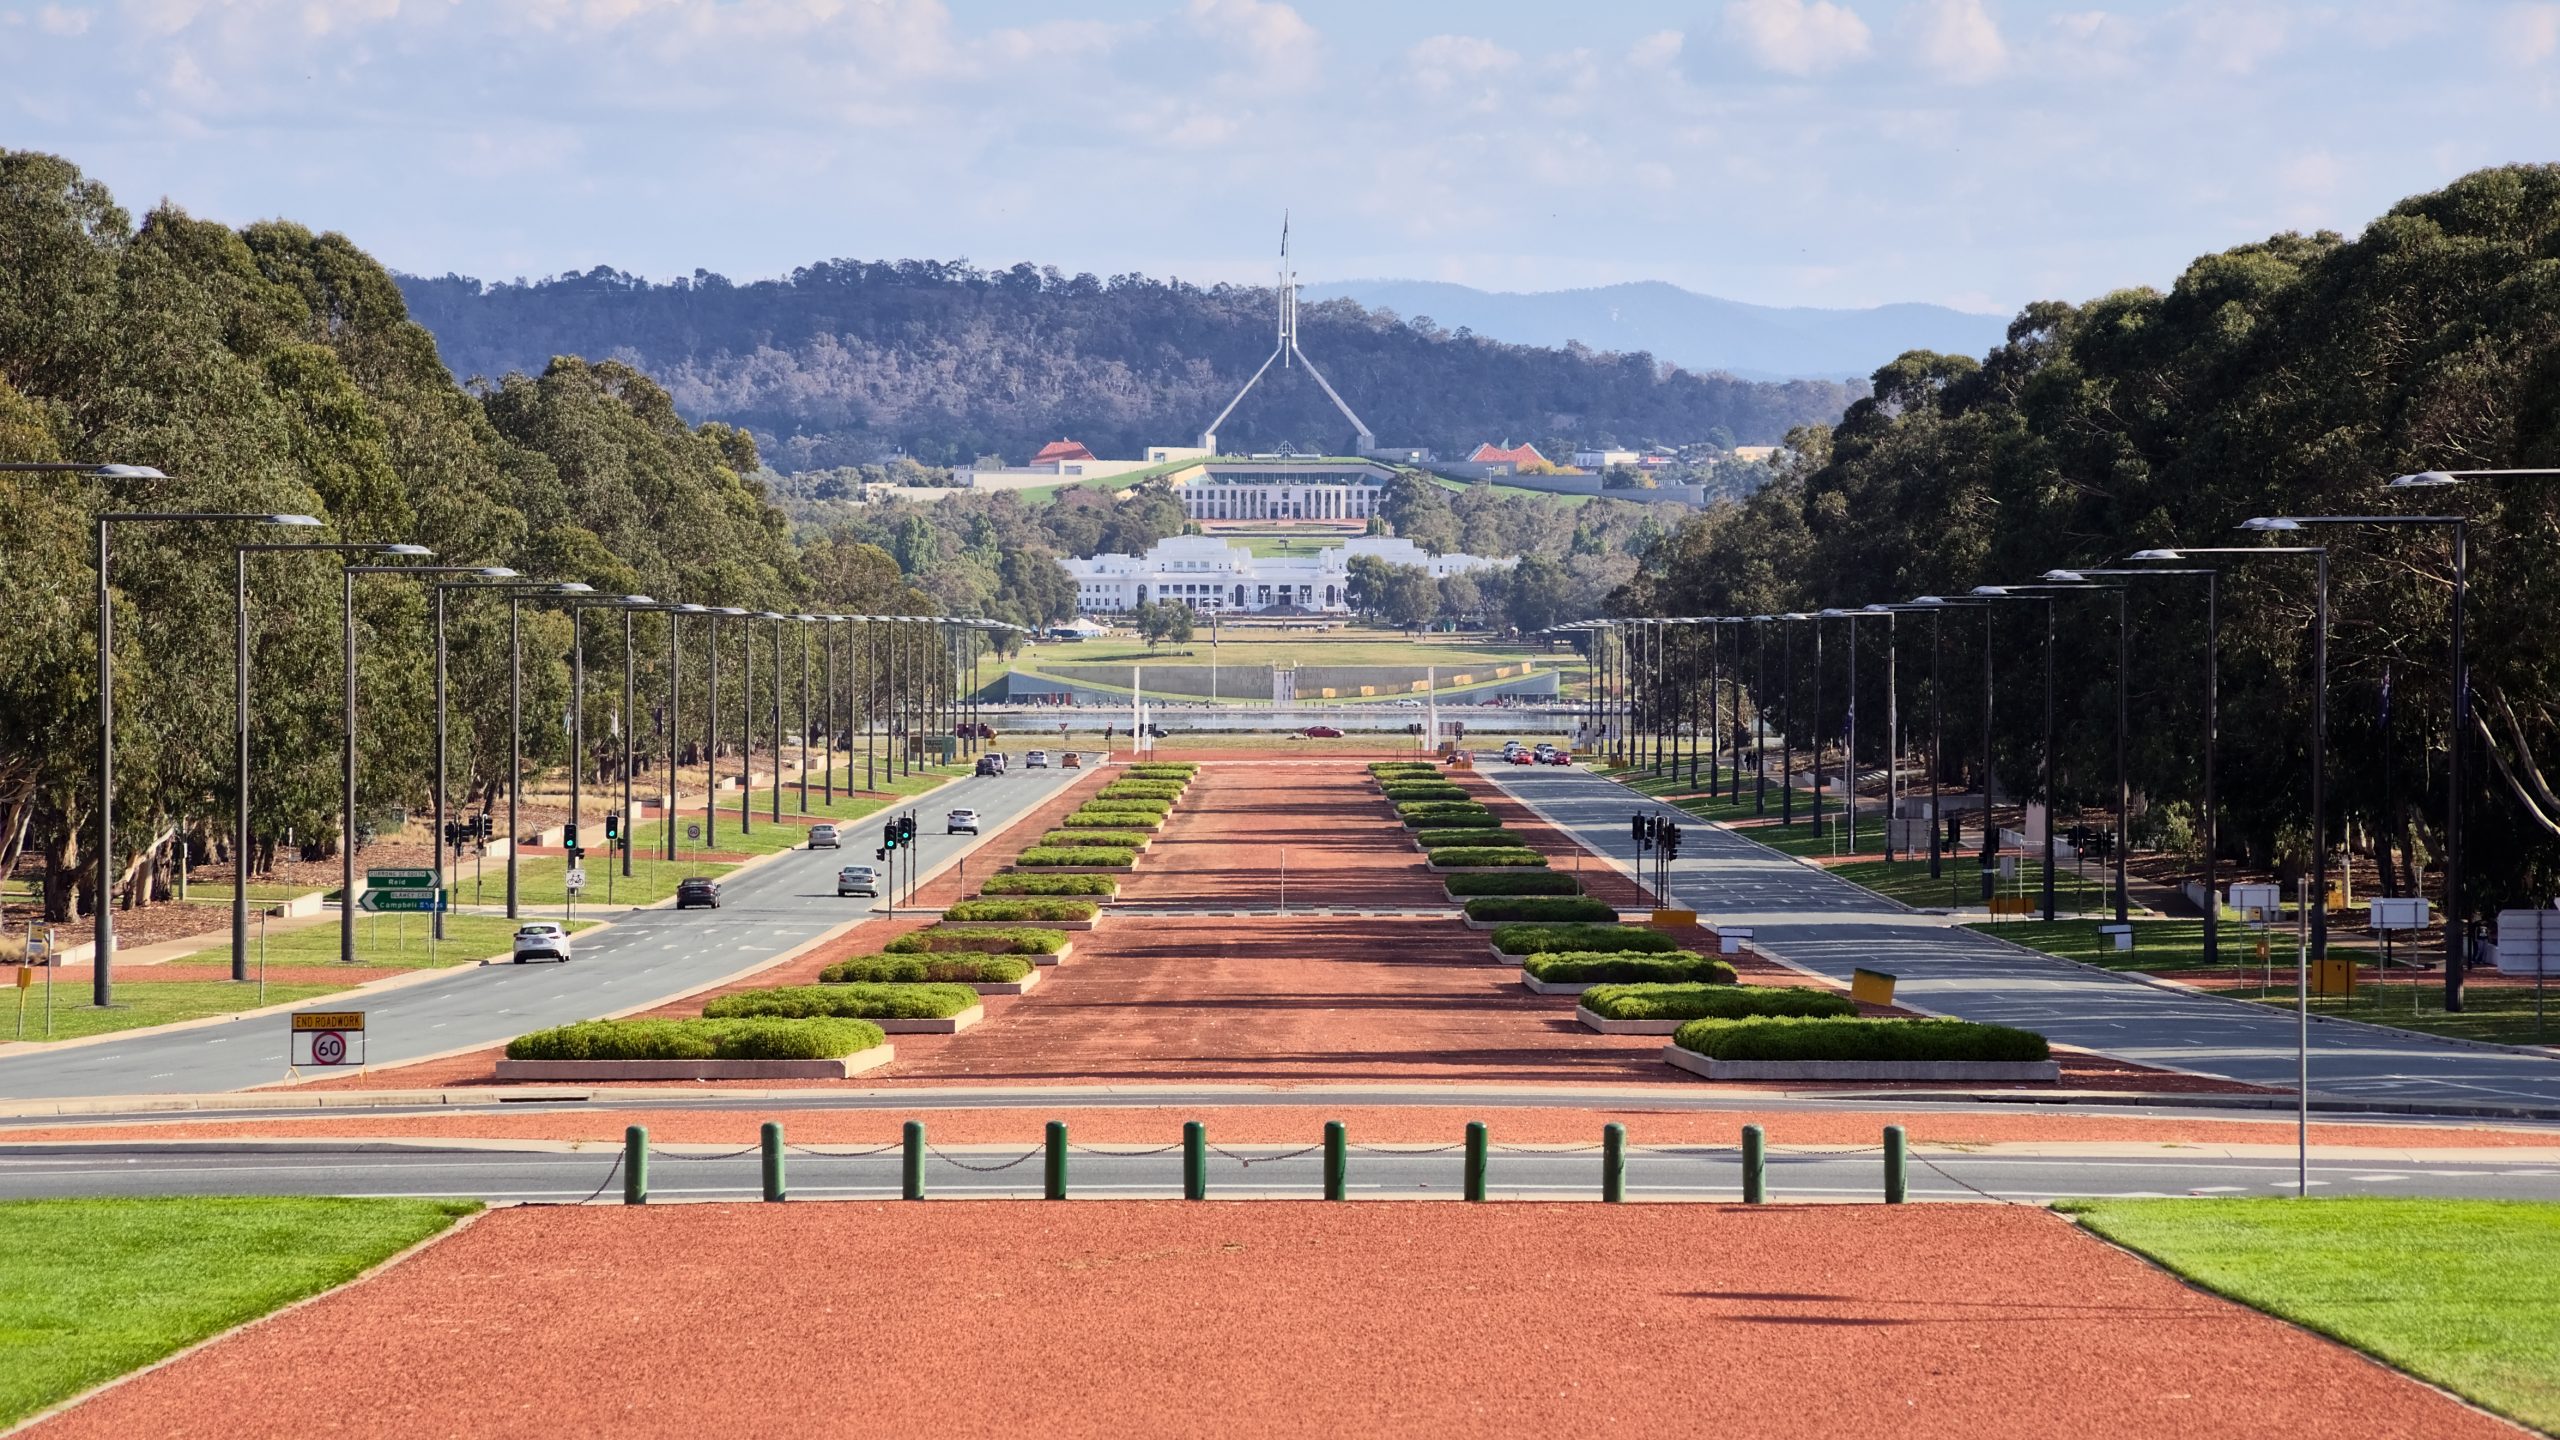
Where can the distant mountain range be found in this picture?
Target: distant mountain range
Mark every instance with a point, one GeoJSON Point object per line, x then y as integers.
{"type": "Point", "coordinates": [1696, 332]}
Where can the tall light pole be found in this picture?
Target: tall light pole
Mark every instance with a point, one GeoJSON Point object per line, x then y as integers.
{"type": "Point", "coordinates": [347, 743]}
{"type": "Point", "coordinates": [435, 918]}
{"type": "Point", "coordinates": [2124, 683]}
{"type": "Point", "coordinates": [515, 724]}
{"type": "Point", "coordinates": [101, 981]}
{"type": "Point", "coordinates": [2212, 734]}
{"type": "Point", "coordinates": [574, 839]}
{"type": "Point", "coordinates": [2045, 779]}
{"type": "Point", "coordinates": [240, 722]}
{"type": "Point", "coordinates": [1937, 729]}
{"type": "Point", "coordinates": [1759, 717]}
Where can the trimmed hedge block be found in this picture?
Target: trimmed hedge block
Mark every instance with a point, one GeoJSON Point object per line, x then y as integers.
{"type": "Point", "coordinates": [1618, 967]}
{"type": "Point", "coordinates": [1010, 884]}
{"type": "Point", "coordinates": [1523, 882]}
{"type": "Point", "coordinates": [1096, 857]}
{"type": "Point", "coordinates": [989, 942]}
{"type": "Point", "coordinates": [1451, 839]}
{"type": "Point", "coordinates": [705, 1039]}
{"type": "Point", "coordinates": [1025, 909]}
{"type": "Point", "coordinates": [1859, 1039]}
{"type": "Point", "coordinates": [963, 968]}
{"type": "Point", "coordinates": [1713, 1002]}
{"type": "Point", "coordinates": [1549, 908]}
{"type": "Point", "coordinates": [1588, 939]}
{"type": "Point", "coordinates": [1480, 856]}
{"type": "Point", "coordinates": [845, 1001]}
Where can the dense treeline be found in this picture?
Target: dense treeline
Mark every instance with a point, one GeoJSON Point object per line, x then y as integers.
{"type": "Point", "coordinates": [2289, 377]}
{"type": "Point", "coordinates": [847, 361]}
{"type": "Point", "coordinates": [273, 370]}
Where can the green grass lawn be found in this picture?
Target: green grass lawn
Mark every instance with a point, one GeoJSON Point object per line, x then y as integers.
{"type": "Point", "coordinates": [763, 838]}
{"type": "Point", "coordinates": [93, 1289]}
{"type": "Point", "coordinates": [143, 1003]}
{"type": "Point", "coordinates": [203, 894]}
{"type": "Point", "coordinates": [2457, 1292]}
{"type": "Point", "coordinates": [395, 940]}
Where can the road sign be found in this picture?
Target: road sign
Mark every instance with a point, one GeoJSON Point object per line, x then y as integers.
{"type": "Point", "coordinates": [577, 879]}
{"type": "Point", "coordinates": [324, 1038]}
{"type": "Point", "coordinates": [693, 832]}
{"type": "Point", "coordinates": [386, 902]}
{"type": "Point", "coordinates": [399, 879]}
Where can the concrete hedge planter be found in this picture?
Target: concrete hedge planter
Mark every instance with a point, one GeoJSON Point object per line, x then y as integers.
{"type": "Point", "coordinates": [1481, 870]}
{"type": "Point", "coordinates": [2013, 1071]}
{"type": "Point", "coordinates": [1536, 986]}
{"type": "Point", "coordinates": [1608, 1026]}
{"type": "Point", "coordinates": [606, 1071]}
{"type": "Point", "coordinates": [1019, 924]}
{"type": "Point", "coordinates": [935, 1025]}
{"type": "Point", "coordinates": [1005, 987]}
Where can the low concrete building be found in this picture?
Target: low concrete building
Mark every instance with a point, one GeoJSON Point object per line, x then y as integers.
{"type": "Point", "coordinates": [1208, 573]}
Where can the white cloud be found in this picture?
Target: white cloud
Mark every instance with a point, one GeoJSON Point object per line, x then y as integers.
{"type": "Point", "coordinates": [57, 20]}
{"type": "Point", "coordinates": [2089, 42]}
{"type": "Point", "coordinates": [1657, 51]}
{"type": "Point", "coordinates": [1794, 37]}
{"type": "Point", "coordinates": [2528, 34]}
{"type": "Point", "coordinates": [2235, 39]}
{"type": "Point", "coordinates": [1444, 62]}
{"type": "Point", "coordinates": [1276, 43]}
{"type": "Point", "coordinates": [1957, 40]}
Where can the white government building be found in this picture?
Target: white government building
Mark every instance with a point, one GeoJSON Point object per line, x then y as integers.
{"type": "Point", "coordinates": [1209, 573]}
{"type": "Point", "coordinates": [1296, 488]}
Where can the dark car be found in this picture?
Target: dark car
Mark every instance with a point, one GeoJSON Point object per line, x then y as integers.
{"type": "Point", "coordinates": [697, 890]}
{"type": "Point", "coordinates": [1321, 732]}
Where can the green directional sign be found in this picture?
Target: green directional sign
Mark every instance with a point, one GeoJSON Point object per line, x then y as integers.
{"type": "Point", "coordinates": [400, 879]}
{"type": "Point", "coordinates": [384, 902]}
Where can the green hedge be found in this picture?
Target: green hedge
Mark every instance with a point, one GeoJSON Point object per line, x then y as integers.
{"type": "Point", "coordinates": [1091, 819]}
{"type": "Point", "coordinates": [963, 968]}
{"type": "Point", "coordinates": [1440, 815]}
{"type": "Point", "coordinates": [1521, 882]}
{"type": "Point", "coordinates": [1713, 1002]}
{"type": "Point", "coordinates": [1030, 909]}
{"type": "Point", "coordinates": [1409, 790]}
{"type": "Point", "coordinates": [1024, 941]}
{"type": "Point", "coordinates": [1384, 768]}
{"type": "Point", "coordinates": [1772, 1038]}
{"type": "Point", "coordinates": [845, 1002]}
{"type": "Point", "coordinates": [706, 1039]}
{"type": "Point", "coordinates": [1444, 839]}
{"type": "Point", "coordinates": [1144, 792]}
{"type": "Point", "coordinates": [1137, 804]}
{"type": "Point", "coordinates": [1113, 839]}
{"type": "Point", "coordinates": [1041, 856]}
{"type": "Point", "coordinates": [1166, 769]}
{"type": "Point", "coordinates": [1607, 939]}
{"type": "Point", "coordinates": [1509, 855]}
{"type": "Point", "coordinates": [1617, 967]}
{"type": "Point", "coordinates": [1050, 885]}
{"type": "Point", "coordinates": [1542, 907]}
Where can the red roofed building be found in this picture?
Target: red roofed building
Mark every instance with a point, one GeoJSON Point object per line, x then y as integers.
{"type": "Point", "coordinates": [1059, 452]}
{"type": "Point", "coordinates": [1519, 456]}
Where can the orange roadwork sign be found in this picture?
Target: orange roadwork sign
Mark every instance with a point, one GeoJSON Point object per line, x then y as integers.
{"type": "Point", "coordinates": [328, 1020]}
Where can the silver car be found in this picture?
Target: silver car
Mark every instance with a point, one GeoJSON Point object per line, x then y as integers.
{"type": "Point", "coordinates": [542, 940]}
{"type": "Point", "coordinates": [857, 880]}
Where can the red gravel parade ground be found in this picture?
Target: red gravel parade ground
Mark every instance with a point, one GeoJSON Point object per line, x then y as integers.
{"type": "Point", "coordinates": [1283, 1318]}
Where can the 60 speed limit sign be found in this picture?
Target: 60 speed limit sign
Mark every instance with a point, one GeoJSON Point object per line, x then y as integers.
{"type": "Point", "coordinates": [328, 1038]}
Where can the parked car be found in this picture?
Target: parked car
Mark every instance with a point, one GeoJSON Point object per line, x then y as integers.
{"type": "Point", "coordinates": [1321, 732]}
{"type": "Point", "coordinates": [542, 940]}
{"type": "Point", "coordinates": [1035, 760]}
{"type": "Point", "coordinates": [858, 880]}
{"type": "Point", "coordinates": [699, 890]}
{"type": "Point", "coordinates": [960, 822]}
{"type": "Point", "coordinates": [824, 837]}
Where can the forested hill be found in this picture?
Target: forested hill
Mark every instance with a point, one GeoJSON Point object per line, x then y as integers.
{"type": "Point", "coordinates": [846, 360]}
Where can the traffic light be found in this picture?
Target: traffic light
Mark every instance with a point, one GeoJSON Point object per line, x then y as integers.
{"type": "Point", "coordinates": [487, 830]}
{"type": "Point", "coordinates": [1641, 826]}
{"type": "Point", "coordinates": [1670, 842]}
{"type": "Point", "coordinates": [613, 826]}
{"type": "Point", "coordinates": [888, 838]}
{"type": "Point", "coordinates": [906, 829]}
{"type": "Point", "coordinates": [569, 835]}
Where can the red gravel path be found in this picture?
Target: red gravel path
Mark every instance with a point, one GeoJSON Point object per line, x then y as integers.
{"type": "Point", "coordinates": [1116, 1319]}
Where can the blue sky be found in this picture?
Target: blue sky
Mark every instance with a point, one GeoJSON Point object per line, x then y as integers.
{"type": "Point", "coordinates": [1980, 153]}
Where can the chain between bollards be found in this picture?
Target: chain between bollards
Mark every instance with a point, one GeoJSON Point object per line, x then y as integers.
{"type": "Point", "coordinates": [1896, 1156]}
{"type": "Point", "coordinates": [635, 1165]}
{"type": "Point", "coordinates": [1195, 1160]}
{"type": "Point", "coordinates": [1476, 1148]}
{"type": "Point", "coordinates": [1613, 1163]}
{"type": "Point", "coordinates": [1755, 1165]}
{"type": "Point", "coordinates": [1057, 1167]}
{"type": "Point", "coordinates": [913, 1188]}
{"type": "Point", "coordinates": [772, 1137]}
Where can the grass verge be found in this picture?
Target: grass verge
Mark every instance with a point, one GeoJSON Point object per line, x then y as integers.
{"type": "Point", "coordinates": [2456, 1292]}
{"type": "Point", "coordinates": [95, 1288]}
{"type": "Point", "coordinates": [386, 940]}
{"type": "Point", "coordinates": [141, 1004]}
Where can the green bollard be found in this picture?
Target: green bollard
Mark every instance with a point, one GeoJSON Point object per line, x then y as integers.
{"type": "Point", "coordinates": [914, 1189]}
{"type": "Point", "coordinates": [1897, 1155]}
{"type": "Point", "coordinates": [1475, 1159]}
{"type": "Point", "coordinates": [1755, 1166]}
{"type": "Point", "coordinates": [1337, 1162]}
{"type": "Point", "coordinates": [1195, 1160]}
{"type": "Point", "coordinates": [635, 1165]}
{"type": "Point", "coordinates": [1613, 1163]}
{"type": "Point", "coordinates": [773, 1160]}
{"type": "Point", "coordinates": [1057, 1162]}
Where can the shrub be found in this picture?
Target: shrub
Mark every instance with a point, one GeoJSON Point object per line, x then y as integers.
{"type": "Point", "coordinates": [1010, 884]}
{"type": "Point", "coordinates": [1487, 855]}
{"type": "Point", "coordinates": [1152, 789]}
{"type": "Point", "coordinates": [1542, 907]}
{"type": "Point", "coordinates": [1442, 815]}
{"type": "Point", "coordinates": [1523, 882]}
{"type": "Point", "coordinates": [706, 1039]}
{"type": "Point", "coordinates": [1148, 804]}
{"type": "Point", "coordinates": [1385, 768]}
{"type": "Point", "coordinates": [1776, 1038]}
{"type": "Point", "coordinates": [855, 1002]}
{"type": "Point", "coordinates": [1021, 910]}
{"type": "Point", "coordinates": [993, 942]}
{"type": "Point", "coordinates": [1040, 856]}
{"type": "Point", "coordinates": [1607, 939]}
{"type": "Point", "coordinates": [1410, 794]}
{"type": "Point", "coordinates": [1090, 819]}
{"type": "Point", "coordinates": [1712, 1002]}
{"type": "Point", "coordinates": [1444, 839]}
{"type": "Point", "coordinates": [1617, 967]}
{"type": "Point", "coordinates": [1174, 769]}
{"type": "Point", "coordinates": [1111, 839]}
{"type": "Point", "coordinates": [964, 968]}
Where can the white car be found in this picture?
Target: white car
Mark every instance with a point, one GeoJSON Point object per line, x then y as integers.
{"type": "Point", "coordinates": [857, 880]}
{"type": "Point", "coordinates": [824, 837]}
{"type": "Point", "coordinates": [541, 940]}
{"type": "Point", "coordinates": [1035, 760]}
{"type": "Point", "coordinates": [960, 822]}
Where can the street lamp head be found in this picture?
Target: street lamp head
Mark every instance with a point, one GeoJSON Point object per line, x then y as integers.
{"type": "Point", "coordinates": [403, 550]}
{"type": "Point", "coordinates": [494, 572]}
{"type": "Point", "coordinates": [2156, 555]}
{"type": "Point", "coordinates": [1832, 612]}
{"type": "Point", "coordinates": [689, 608]}
{"type": "Point", "coordinates": [127, 472]}
{"type": "Point", "coordinates": [305, 522]}
{"type": "Point", "coordinates": [2064, 577]}
{"type": "Point", "coordinates": [1990, 592]}
{"type": "Point", "coordinates": [2270, 524]}
{"type": "Point", "coordinates": [637, 600]}
{"type": "Point", "coordinates": [573, 587]}
{"type": "Point", "coordinates": [2425, 479]}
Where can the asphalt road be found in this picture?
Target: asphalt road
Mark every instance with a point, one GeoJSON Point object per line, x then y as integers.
{"type": "Point", "coordinates": [646, 956]}
{"type": "Point", "coordinates": [1826, 924]}
{"type": "Point", "coordinates": [1239, 1172]}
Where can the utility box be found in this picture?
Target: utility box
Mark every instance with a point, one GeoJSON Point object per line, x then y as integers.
{"type": "Point", "coordinates": [1672, 919]}
{"type": "Point", "coordinates": [1871, 987]}
{"type": "Point", "coordinates": [2118, 937]}
{"type": "Point", "coordinates": [1731, 939]}
{"type": "Point", "coordinates": [2263, 904]}
{"type": "Point", "coordinates": [1909, 834]}
{"type": "Point", "coordinates": [2333, 976]}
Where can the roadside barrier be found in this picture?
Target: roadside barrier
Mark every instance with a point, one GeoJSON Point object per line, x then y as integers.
{"type": "Point", "coordinates": [631, 1164]}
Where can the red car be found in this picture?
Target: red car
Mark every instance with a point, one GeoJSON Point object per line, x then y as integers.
{"type": "Point", "coordinates": [1523, 757]}
{"type": "Point", "coordinates": [1322, 732]}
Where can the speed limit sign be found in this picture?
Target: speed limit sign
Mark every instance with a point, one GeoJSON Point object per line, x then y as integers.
{"type": "Point", "coordinates": [328, 1038]}
{"type": "Point", "coordinates": [693, 832]}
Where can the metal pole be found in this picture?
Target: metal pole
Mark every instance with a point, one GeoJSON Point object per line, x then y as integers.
{"type": "Point", "coordinates": [2044, 782]}
{"type": "Point", "coordinates": [1787, 712]}
{"type": "Point", "coordinates": [1849, 762]}
{"type": "Point", "coordinates": [804, 718]}
{"type": "Point", "coordinates": [747, 727]}
{"type": "Point", "coordinates": [347, 772]}
{"type": "Point", "coordinates": [1759, 724]}
{"type": "Point", "coordinates": [673, 731]}
{"type": "Point", "coordinates": [1892, 724]}
{"type": "Point", "coordinates": [240, 755]}
{"type": "Point", "coordinates": [2456, 947]}
{"type": "Point", "coordinates": [1817, 726]}
{"type": "Point", "coordinates": [515, 736]}
{"type": "Point", "coordinates": [711, 748]}
{"type": "Point", "coordinates": [101, 986]}
{"type": "Point", "coordinates": [2124, 791]}
{"type": "Point", "coordinates": [630, 742]}
{"type": "Point", "coordinates": [577, 736]}
{"type": "Point", "coordinates": [2319, 912]}
{"type": "Point", "coordinates": [777, 723]}
{"type": "Point", "coordinates": [1990, 830]}
{"type": "Point", "coordinates": [1714, 735]}
{"type": "Point", "coordinates": [2212, 736]}
{"type": "Point", "coordinates": [435, 917]}
{"type": "Point", "coordinates": [1937, 742]}
{"type": "Point", "coordinates": [835, 736]}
